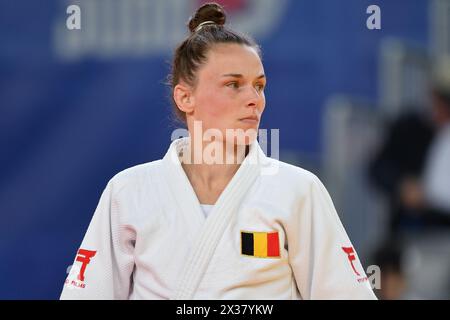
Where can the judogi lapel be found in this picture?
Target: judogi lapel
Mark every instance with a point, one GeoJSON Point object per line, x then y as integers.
{"type": "Point", "coordinates": [210, 230]}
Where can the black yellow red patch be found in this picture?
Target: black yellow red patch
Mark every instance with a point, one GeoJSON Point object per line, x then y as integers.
{"type": "Point", "coordinates": [260, 244]}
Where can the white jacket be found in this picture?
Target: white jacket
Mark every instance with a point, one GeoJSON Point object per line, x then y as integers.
{"type": "Point", "coordinates": [273, 234]}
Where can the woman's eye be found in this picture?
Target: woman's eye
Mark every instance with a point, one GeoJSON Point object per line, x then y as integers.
{"type": "Point", "coordinates": [233, 85]}
{"type": "Point", "coordinates": [260, 87]}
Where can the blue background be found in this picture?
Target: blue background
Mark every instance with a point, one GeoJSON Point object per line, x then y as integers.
{"type": "Point", "coordinates": [67, 127]}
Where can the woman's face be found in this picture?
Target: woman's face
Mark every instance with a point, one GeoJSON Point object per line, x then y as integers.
{"type": "Point", "coordinates": [229, 93]}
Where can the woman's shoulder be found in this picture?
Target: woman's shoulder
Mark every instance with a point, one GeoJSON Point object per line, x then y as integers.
{"type": "Point", "coordinates": [137, 176]}
{"type": "Point", "coordinates": [290, 181]}
{"type": "Point", "coordinates": [290, 173]}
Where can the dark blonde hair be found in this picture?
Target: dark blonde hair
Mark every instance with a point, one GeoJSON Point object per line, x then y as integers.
{"type": "Point", "coordinates": [192, 52]}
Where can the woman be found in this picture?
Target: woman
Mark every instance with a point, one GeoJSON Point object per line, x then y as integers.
{"type": "Point", "coordinates": [216, 218]}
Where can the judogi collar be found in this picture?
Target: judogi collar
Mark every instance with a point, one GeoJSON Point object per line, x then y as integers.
{"type": "Point", "coordinates": [211, 229]}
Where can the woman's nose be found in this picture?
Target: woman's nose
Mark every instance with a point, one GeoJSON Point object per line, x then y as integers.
{"type": "Point", "coordinates": [255, 98]}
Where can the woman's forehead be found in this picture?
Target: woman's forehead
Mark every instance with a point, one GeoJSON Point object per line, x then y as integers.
{"type": "Point", "coordinates": [233, 59]}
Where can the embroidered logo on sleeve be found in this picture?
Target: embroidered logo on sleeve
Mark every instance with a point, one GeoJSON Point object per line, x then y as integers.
{"type": "Point", "coordinates": [260, 244]}
{"type": "Point", "coordinates": [351, 257]}
{"type": "Point", "coordinates": [76, 275]}
{"type": "Point", "coordinates": [84, 256]}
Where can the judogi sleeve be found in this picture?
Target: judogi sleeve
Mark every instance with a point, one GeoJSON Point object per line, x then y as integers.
{"type": "Point", "coordinates": [104, 263]}
{"type": "Point", "coordinates": [323, 260]}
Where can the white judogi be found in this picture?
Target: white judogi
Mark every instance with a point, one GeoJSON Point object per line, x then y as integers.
{"type": "Point", "coordinates": [149, 239]}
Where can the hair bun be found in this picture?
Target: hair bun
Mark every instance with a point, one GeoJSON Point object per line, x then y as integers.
{"type": "Point", "coordinates": [210, 11]}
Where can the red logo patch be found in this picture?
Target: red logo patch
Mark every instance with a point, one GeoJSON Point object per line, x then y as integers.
{"type": "Point", "coordinates": [351, 257]}
{"type": "Point", "coordinates": [84, 256]}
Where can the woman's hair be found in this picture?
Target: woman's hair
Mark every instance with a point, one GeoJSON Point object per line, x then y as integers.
{"type": "Point", "coordinates": [207, 28]}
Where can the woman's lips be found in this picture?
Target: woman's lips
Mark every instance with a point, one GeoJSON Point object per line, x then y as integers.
{"type": "Point", "coordinates": [250, 120]}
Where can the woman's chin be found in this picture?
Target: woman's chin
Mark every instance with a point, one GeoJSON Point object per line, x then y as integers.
{"type": "Point", "coordinates": [243, 139]}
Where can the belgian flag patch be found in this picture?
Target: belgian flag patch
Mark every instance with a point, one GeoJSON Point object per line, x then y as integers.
{"type": "Point", "coordinates": [260, 244]}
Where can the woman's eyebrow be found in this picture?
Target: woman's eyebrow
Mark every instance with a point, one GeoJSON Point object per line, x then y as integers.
{"type": "Point", "coordinates": [238, 75]}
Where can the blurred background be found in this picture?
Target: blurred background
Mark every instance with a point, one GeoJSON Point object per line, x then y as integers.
{"type": "Point", "coordinates": [368, 111]}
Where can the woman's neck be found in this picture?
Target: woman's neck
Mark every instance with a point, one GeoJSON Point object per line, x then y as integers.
{"type": "Point", "coordinates": [210, 168]}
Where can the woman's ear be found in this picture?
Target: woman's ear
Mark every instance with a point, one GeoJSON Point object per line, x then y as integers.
{"type": "Point", "coordinates": [182, 94]}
